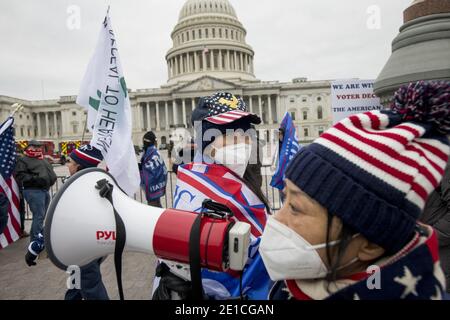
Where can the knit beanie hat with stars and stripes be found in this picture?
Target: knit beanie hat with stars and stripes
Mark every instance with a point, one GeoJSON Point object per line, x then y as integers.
{"type": "Point", "coordinates": [87, 156]}
{"type": "Point", "coordinates": [376, 170]}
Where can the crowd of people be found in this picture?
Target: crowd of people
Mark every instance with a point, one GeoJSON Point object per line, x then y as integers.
{"type": "Point", "coordinates": [371, 191]}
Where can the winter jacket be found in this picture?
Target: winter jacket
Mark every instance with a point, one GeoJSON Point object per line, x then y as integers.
{"type": "Point", "coordinates": [414, 273]}
{"type": "Point", "coordinates": [34, 173]}
{"type": "Point", "coordinates": [437, 215]}
{"type": "Point", "coordinates": [153, 174]}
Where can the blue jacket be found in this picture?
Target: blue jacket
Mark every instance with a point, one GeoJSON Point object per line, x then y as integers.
{"type": "Point", "coordinates": [153, 174]}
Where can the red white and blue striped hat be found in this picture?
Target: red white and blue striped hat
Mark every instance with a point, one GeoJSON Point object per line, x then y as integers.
{"type": "Point", "coordinates": [223, 108]}
{"type": "Point", "coordinates": [376, 170]}
{"type": "Point", "coordinates": [87, 156]}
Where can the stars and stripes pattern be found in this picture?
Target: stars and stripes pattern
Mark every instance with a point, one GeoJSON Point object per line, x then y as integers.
{"type": "Point", "coordinates": [197, 182]}
{"type": "Point", "coordinates": [414, 273]}
{"type": "Point", "coordinates": [8, 184]}
{"type": "Point", "coordinates": [398, 155]}
{"type": "Point", "coordinates": [227, 117]}
{"type": "Point", "coordinates": [225, 108]}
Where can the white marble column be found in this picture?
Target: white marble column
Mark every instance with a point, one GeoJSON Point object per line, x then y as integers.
{"type": "Point", "coordinates": [193, 104]}
{"type": "Point", "coordinates": [278, 108]}
{"type": "Point", "coordinates": [235, 60]}
{"type": "Point", "coordinates": [228, 61]}
{"type": "Point", "coordinates": [177, 63]}
{"type": "Point", "coordinates": [47, 131]}
{"type": "Point", "coordinates": [158, 122]}
{"type": "Point", "coordinates": [137, 118]}
{"type": "Point", "coordinates": [242, 61]}
{"type": "Point", "coordinates": [251, 104]}
{"type": "Point", "coordinates": [175, 112]}
{"type": "Point", "coordinates": [166, 109]}
{"type": "Point", "coordinates": [184, 112]}
{"type": "Point", "coordinates": [260, 109]}
{"type": "Point", "coordinates": [269, 98]}
{"type": "Point", "coordinates": [169, 68]}
{"type": "Point", "coordinates": [197, 62]}
{"type": "Point", "coordinates": [149, 125]}
{"type": "Point", "coordinates": [220, 60]}
{"type": "Point", "coordinates": [39, 129]}
{"type": "Point", "coordinates": [211, 57]}
{"type": "Point", "coordinates": [55, 125]}
{"type": "Point", "coordinates": [204, 60]}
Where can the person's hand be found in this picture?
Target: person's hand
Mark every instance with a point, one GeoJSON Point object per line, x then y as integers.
{"type": "Point", "coordinates": [30, 259]}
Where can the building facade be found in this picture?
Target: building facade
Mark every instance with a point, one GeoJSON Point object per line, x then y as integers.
{"type": "Point", "coordinates": [209, 54]}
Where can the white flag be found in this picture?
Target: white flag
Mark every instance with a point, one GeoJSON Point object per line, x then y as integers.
{"type": "Point", "coordinates": [104, 94]}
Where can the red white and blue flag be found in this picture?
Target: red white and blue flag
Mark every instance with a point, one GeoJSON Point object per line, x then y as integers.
{"type": "Point", "coordinates": [8, 184]}
{"type": "Point", "coordinates": [197, 182]}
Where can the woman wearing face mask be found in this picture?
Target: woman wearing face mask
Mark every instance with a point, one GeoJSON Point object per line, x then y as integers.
{"type": "Point", "coordinates": [222, 125]}
{"type": "Point", "coordinates": [352, 202]}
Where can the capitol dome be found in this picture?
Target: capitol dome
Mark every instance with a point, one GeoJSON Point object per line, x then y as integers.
{"type": "Point", "coordinates": [209, 40]}
{"type": "Point", "coordinates": [195, 7]}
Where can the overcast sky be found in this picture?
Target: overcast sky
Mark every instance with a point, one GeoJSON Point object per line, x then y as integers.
{"type": "Point", "coordinates": [319, 39]}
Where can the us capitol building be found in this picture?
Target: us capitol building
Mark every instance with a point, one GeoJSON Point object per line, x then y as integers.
{"type": "Point", "coordinates": [209, 54]}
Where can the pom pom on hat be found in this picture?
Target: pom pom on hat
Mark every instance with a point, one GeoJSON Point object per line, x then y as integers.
{"type": "Point", "coordinates": [425, 102]}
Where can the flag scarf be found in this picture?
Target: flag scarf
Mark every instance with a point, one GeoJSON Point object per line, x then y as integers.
{"type": "Point", "coordinates": [8, 184]}
{"type": "Point", "coordinates": [289, 148]}
{"type": "Point", "coordinates": [104, 94]}
{"type": "Point", "coordinates": [197, 182]}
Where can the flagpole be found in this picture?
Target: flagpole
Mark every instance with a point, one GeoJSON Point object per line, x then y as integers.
{"type": "Point", "coordinates": [5, 125]}
{"type": "Point", "coordinates": [18, 107]}
{"type": "Point", "coordinates": [84, 129]}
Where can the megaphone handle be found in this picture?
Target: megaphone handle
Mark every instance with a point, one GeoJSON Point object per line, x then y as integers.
{"type": "Point", "coordinates": [105, 190]}
{"type": "Point", "coordinates": [194, 259]}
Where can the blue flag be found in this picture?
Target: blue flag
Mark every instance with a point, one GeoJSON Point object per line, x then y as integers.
{"type": "Point", "coordinates": [288, 149]}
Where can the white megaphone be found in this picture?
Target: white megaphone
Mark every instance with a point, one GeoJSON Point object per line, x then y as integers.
{"type": "Point", "coordinates": [80, 227]}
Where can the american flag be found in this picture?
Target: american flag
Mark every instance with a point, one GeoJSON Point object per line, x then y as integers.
{"type": "Point", "coordinates": [8, 184]}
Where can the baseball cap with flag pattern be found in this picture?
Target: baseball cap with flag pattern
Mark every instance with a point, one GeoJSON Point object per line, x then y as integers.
{"type": "Point", "coordinates": [223, 108]}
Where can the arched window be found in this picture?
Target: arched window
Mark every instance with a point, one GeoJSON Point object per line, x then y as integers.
{"type": "Point", "coordinates": [320, 113]}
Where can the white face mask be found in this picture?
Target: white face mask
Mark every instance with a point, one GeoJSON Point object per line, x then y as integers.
{"type": "Point", "coordinates": [235, 157]}
{"type": "Point", "coordinates": [288, 256]}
